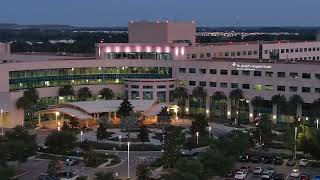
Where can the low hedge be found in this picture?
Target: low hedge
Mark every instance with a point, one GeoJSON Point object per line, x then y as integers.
{"type": "Point", "coordinates": [123, 147]}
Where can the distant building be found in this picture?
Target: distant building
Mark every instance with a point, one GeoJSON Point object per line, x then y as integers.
{"type": "Point", "coordinates": [318, 36]}
{"type": "Point", "coordinates": [4, 50]}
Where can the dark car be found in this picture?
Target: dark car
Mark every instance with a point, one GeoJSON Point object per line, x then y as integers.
{"type": "Point", "coordinates": [278, 176]}
{"type": "Point", "coordinates": [317, 177]}
{"type": "Point", "coordinates": [244, 158]}
{"type": "Point", "coordinates": [305, 177]}
{"type": "Point", "coordinates": [278, 161]}
{"type": "Point", "coordinates": [255, 159]}
{"type": "Point", "coordinates": [267, 160]}
{"type": "Point", "coordinates": [291, 162]}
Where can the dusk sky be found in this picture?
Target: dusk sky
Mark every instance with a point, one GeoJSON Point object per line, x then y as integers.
{"type": "Point", "coordinates": [204, 12]}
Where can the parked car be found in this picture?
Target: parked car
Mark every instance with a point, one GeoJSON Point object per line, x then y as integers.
{"type": "Point", "coordinates": [303, 162]}
{"type": "Point", "coordinates": [240, 175]}
{"type": "Point", "coordinates": [295, 173]}
{"type": "Point", "coordinates": [305, 177]}
{"type": "Point", "coordinates": [245, 168]}
{"type": "Point", "coordinates": [67, 175]}
{"type": "Point", "coordinates": [278, 161]}
{"type": "Point", "coordinates": [278, 176]}
{"type": "Point", "coordinates": [255, 159]}
{"type": "Point", "coordinates": [316, 177]}
{"type": "Point", "coordinates": [244, 158]}
{"type": "Point", "coordinates": [267, 174]}
{"type": "Point", "coordinates": [257, 170]}
{"type": "Point", "coordinates": [291, 162]}
{"type": "Point", "coordinates": [267, 160]}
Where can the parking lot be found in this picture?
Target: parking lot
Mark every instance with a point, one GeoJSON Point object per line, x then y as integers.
{"type": "Point", "coordinates": [283, 169]}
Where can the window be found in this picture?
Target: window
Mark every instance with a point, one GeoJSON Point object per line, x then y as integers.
{"type": "Point", "coordinates": [192, 83]}
{"type": "Point", "coordinates": [238, 53]}
{"type": "Point", "coordinates": [182, 70]}
{"type": "Point", "coordinates": [249, 53]}
{"type": "Point", "coordinates": [246, 73]}
{"type": "Point", "coordinates": [257, 73]}
{"type": "Point", "coordinates": [213, 84]}
{"type": "Point", "coordinates": [287, 50]}
{"type": "Point", "coordinates": [135, 86]}
{"type": "Point", "coordinates": [161, 86]}
{"type": "Point", "coordinates": [257, 87]}
{"type": "Point", "coordinates": [193, 56]}
{"type": "Point", "coordinates": [245, 86]}
{"type": "Point", "coordinates": [234, 85]}
{"type": "Point", "coordinates": [224, 85]}
{"type": "Point", "coordinates": [269, 74]}
{"type": "Point", "coordinates": [244, 53]}
{"type": "Point", "coordinates": [192, 70]}
{"type": "Point", "coordinates": [201, 55]}
{"type": "Point", "coordinates": [203, 71]}
{"type": "Point", "coordinates": [223, 72]}
{"type": "Point", "coordinates": [281, 74]}
{"type": "Point", "coordinates": [171, 86]}
{"type": "Point", "coordinates": [305, 90]}
{"type": "Point", "coordinates": [188, 56]}
{"type": "Point", "coordinates": [281, 88]}
{"type": "Point", "coordinates": [294, 75]}
{"type": "Point", "coordinates": [213, 71]}
{"type": "Point", "coordinates": [147, 87]}
{"type": "Point", "coordinates": [233, 53]}
{"type": "Point", "coordinates": [266, 52]}
{"type": "Point", "coordinates": [306, 75]}
{"type": "Point", "coordinates": [234, 72]}
{"type": "Point", "coordinates": [269, 87]}
{"type": "Point", "coordinates": [147, 95]}
{"type": "Point", "coordinates": [282, 50]}
{"type": "Point", "coordinates": [208, 55]}
{"type": "Point", "coordinates": [317, 76]}
{"type": "Point", "coordinates": [317, 90]}
{"type": "Point", "coordinates": [134, 95]}
{"type": "Point", "coordinates": [203, 83]}
{"type": "Point", "coordinates": [226, 54]}
{"type": "Point", "coordinates": [293, 89]}
{"type": "Point", "coordinates": [291, 50]}
{"type": "Point", "coordinates": [161, 96]}
{"type": "Point", "coordinates": [255, 52]}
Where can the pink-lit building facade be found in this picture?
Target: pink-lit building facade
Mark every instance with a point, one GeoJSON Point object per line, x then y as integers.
{"type": "Point", "coordinates": [166, 58]}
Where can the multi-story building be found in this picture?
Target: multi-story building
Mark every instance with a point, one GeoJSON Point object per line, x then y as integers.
{"type": "Point", "coordinates": [151, 67]}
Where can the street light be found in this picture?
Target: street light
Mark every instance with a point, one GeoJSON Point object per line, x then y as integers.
{"type": "Point", "coordinates": [128, 160]}
{"type": "Point", "coordinates": [209, 132]}
{"type": "Point", "coordinates": [57, 114]}
{"type": "Point", "coordinates": [295, 142]}
{"type": "Point", "coordinates": [119, 140]}
{"type": "Point", "coordinates": [317, 124]}
{"type": "Point", "coordinates": [81, 134]}
{"type": "Point", "coordinates": [1, 114]}
{"type": "Point", "coordinates": [197, 134]}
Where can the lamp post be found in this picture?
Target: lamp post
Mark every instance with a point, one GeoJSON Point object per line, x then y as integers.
{"type": "Point", "coordinates": [128, 160]}
{"type": "Point", "coordinates": [209, 131]}
{"type": "Point", "coordinates": [295, 142]}
{"type": "Point", "coordinates": [317, 124]}
{"type": "Point", "coordinates": [81, 134]}
{"type": "Point", "coordinates": [1, 114]}
{"type": "Point", "coordinates": [119, 140]}
{"type": "Point", "coordinates": [197, 134]}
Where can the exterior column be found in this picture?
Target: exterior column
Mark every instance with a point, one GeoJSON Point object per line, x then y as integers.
{"type": "Point", "coordinates": [167, 96]}
{"type": "Point", "coordinates": [208, 106]}
{"type": "Point", "coordinates": [39, 120]}
{"type": "Point", "coordinates": [299, 110]}
{"type": "Point", "coordinates": [109, 116]}
{"type": "Point", "coordinates": [115, 114]}
{"type": "Point", "coordinates": [87, 124]}
{"type": "Point", "coordinates": [187, 106]}
{"type": "Point", "coordinates": [274, 113]}
{"type": "Point", "coordinates": [98, 116]}
{"type": "Point", "coordinates": [251, 112]}
{"type": "Point", "coordinates": [228, 108]}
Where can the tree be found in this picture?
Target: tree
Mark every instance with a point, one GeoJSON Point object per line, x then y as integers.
{"type": "Point", "coordinates": [101, 132]}
{"type": "Point", "coordinates": [53, 168]}
{"type": "Point", "coordinates": [27, 101]}
{"type": "Point", "coordinates": [20, 144]}
{"type": "Point", "coordinates": [279, 100]}
{"type": "Point", "coordinates": [90, 158]}
{"type": "Point", "coordinates": [264, 128]}
{"type": "Point", "coordinates": [220, 99]}
{"type": "Point", "coordinates": [143, 172]}
{"type": "Point", "coordinates": [178, 175]}
{"type": "Point", "coordinates": [74, 123]}
{"type": "Point", "coordinates": [106, 93]}
{"type": "Point", "coordinates": [143, 133]}
{"type": "Point", "coordinates": [163, 118]}
{"type": "Point", "coordinates": [65, 126]}
{"type": "Point", "coordinates": [235, 96]}
{"type": "Point", "coordinates": [257, 102]}
{"type": "Point", "coordinates": [181, 94]}
{"type": "Point", "coordinates": [104, 176]}
{"type": "Point", "coordinates": [295, 101]}
{"type": "Point", "coordinates": [6, 173]}
{"type": "Point", "coordinates": [128, 118]}
{"type": "Point", "coordinates": [173, 142]}
{"type": "Point", "coordinates": [84, 93]}
{"type": "Point", "coordinates": [192, 166]}
{"type": "Point", "coordinates": [66, 90]}
{"type": "Point", "coordinates": [61, 141]}
{"type": "Point", "coordinates": [85, 145]}
{"type": "Point", "coordinates": [199, 124]}
{"type": "Point", "coordinates": [200, 94]}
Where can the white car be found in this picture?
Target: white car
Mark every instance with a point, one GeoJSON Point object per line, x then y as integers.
{"type": "Point", "coordinates": [295, 173]}
{"type": "Point", "coordinates": [257, 170]}
{"type": "Point", "coordinates": [240, 175]}
{"type": "Point", "coordinates": [303, 162]}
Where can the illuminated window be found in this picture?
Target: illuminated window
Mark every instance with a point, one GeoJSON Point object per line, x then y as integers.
{"type": "Point", "coordinates": [257, 87]}
{"type": "Point", "coordinates": [269, 87]}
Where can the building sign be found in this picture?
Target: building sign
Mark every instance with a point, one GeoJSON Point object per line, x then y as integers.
{"type": "Point", "coordinates": [250, 67]}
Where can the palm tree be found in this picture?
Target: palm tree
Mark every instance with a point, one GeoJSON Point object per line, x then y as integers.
{"type": "Point", "coordinates": [220, 98]}
{"type": "Point", "coordinates": [163, 118]}
{"type": "Point", "coordinates": [235, 96]}
{"type": "Point", "coordinates": [181, 94]}
{"type": "Point", "coordinates": [279, 100]}
{"type": "Point", "coordinates": [106, 93]}
{"type": "Point", "coordinates": [66, 90]}
{"type": "Point", "coordinates": [257, 102]}
{"type": "Point", "coordinates": [84, 93]}
{"type": "Point", "coordinates": [127, 116]}
{"type": "Point", "coordinates": [295, 101]}
{"type": "Point", "coordinates": [200, 94]}
{"type": "Point", "coordinates": [27, 101]}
